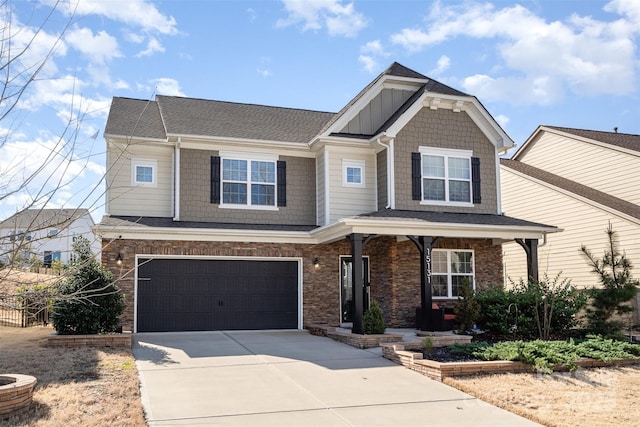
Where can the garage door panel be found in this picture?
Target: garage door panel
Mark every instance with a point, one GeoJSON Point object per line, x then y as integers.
{"type": "Point", "coordinates": [175, 295]}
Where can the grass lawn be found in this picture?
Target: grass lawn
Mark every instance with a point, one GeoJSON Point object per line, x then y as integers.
{"type": "Point", "coordinates": [76, 387]}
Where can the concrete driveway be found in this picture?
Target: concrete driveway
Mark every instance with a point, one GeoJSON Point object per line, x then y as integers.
{"type": "Point", "coordinates": [280, 378]}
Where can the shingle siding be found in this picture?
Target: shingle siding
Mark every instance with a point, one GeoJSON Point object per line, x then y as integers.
{"type": "Point", "coordinates": [444, 129]}
{"type": "Point", "coordinates": [195, 192]}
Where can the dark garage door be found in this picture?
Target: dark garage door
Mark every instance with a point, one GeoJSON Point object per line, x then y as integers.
{"type": "Point", "coordinates": [209, 295]}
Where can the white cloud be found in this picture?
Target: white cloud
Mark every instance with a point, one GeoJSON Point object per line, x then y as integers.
{"type": "Point", "coordinates": [580, 54]}
{"type": "Point", "coordinates": [153, 46]}
{"type": "Point", "coordinates": [139, 13]}
{"type": "Point", "coordinates": [99, 48]}
{"type": "Point", "coordinates": [45, 169]}
{"type": "Point", "coordinates": [370, 53]}
{"type": "Point", "coordinates": [338, 18]}
{"type": "Point", "coordinates": [444, 62]}
{"type": "Point", "coordinates": [502, 120]}
{"type": "Point", "coordinates": [167, 86]}
{"type": "Point", "coordinates": [368, 63]}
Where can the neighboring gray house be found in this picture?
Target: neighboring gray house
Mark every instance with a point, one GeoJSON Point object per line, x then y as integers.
{"type": "Point", "coordinates": [224, 215]}
{"type": "Point", "coordinates": [45, 233]}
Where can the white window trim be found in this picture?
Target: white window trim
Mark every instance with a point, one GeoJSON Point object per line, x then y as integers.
{"type": "Point", "coordinates": [258, 157]}
{"type": "Point", "coordinates": [449, 274]}
{"type": "Point", "coordinates": [446, 153]}
{"type": "Point", "coordinates": [355, 164]}
{"type": "Point", "coordinates": [153, 164]}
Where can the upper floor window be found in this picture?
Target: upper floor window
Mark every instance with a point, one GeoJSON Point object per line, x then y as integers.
{"type": "Point", "coordinates": [248, 182]}
{"type": "Point", "coordinates": [53, 232]}
{"type": "Point", "coordinates": [446, 177]}
{"type": "Point", "coordinates": [449, 269]}
{"type": "Point", "coordinates": [144, 172]}
{"type": "Point", "coordinates": [353, 173]}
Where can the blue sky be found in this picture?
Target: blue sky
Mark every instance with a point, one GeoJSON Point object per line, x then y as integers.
{"type": "Point", "coordinates": [555, 62]}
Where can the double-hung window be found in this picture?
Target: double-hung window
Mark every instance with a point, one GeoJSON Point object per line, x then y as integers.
{"type": "Point", "coordinates": [248, 182]}
{"type": "Point", "coordinates": [446, 176]}
{"type": "Point", "coordinates": [449, 269]}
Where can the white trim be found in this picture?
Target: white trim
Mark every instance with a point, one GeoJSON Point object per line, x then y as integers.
{"type": "Point", "coordinates": [449, 273]}
{"type": "Point", "coordinates": [391, 172]}
{"type": "Point", "coordinates": [248, 207]}
{"type": "Point", "coordinates": [446, 154]}
{"type": "Point", "coordinates": [138, 257]}
{"type": "Point", "coordinates": [248, 155]}
{"type": "Point", "coordinates": [176, 174]}
{"type": "Point", "coordinates": [258, 157]}
{"type": "Point", "coordinates": [353, 164]}
{"type": "Point", "coordinates": [144, 163]}
{"type": "Point", "coordinates": [498, 185]}
{"type": "Point", "coordinates": [327, 209]}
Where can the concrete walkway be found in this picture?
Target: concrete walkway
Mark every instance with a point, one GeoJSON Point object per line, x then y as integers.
{"type": "Point", "coordinates": [291, 378]}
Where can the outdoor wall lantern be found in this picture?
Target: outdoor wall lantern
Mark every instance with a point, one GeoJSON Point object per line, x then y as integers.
{"type": "Point", "coordinates": [119, 259]}
{"type": "Point", "coordinates": [316, 262]}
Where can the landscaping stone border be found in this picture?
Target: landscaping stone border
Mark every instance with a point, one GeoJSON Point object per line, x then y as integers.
{"type": "Point", "coordinates": [354, 340]}
{"type": "Point", "coordinates": [403, 355]}
{"type": "Point", "coordinates": [122, 340]}
{"type": "Point", "coordinates": [16, 393]}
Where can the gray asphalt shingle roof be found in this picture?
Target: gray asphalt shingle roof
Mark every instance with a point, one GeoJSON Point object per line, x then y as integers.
{"type": "Point", "coordinates": [624, 140]}
{"type": "Point", "coordinates": [574, 187]}
{"type": "Point", "coordinates": [134, 117]}
{"type": "Point", "coordinates": [452, 218]}
{"type": "Point", "coordinates": [172, 115]}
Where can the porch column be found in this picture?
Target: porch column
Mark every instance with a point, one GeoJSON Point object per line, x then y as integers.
{"type": "Point", "coordinates": [530, 247]}
{"type": "Point", "coordinates": [426, 292]}
{"type": "Point", "coordinates": [357, 283]}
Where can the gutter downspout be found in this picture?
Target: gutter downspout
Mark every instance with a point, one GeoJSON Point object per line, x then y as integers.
{"type": "Point", "coordinates": [176, 198]}
{"type": "Point", "coordinates": [390, 171]}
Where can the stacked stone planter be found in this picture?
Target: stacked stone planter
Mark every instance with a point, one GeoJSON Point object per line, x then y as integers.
{"type": "Point", "coordinates": [16, 393]}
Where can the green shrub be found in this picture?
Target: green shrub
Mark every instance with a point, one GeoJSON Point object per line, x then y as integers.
{"type": "Point", "coordinates": [467, 308]}
{"type": "Point", "coordinates": [529, 310]}
{"type": "Point", "coordinates": [544, 356]}
{"type": "Point", "coordinates": [373, 322]}
{"type": "Point", "coordinates": [89, 302]}
{"type": "Point", "coordinates": [427, 345]}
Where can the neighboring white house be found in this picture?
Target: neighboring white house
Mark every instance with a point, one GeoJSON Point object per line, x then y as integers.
{"type": "Point", "coordinates": [580, 181]}
{"type": "Point", "coordinates": [46, 233]}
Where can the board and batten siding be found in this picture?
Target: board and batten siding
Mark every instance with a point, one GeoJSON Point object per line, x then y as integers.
{"type": "Point", "coordinates": [344, 200]}
{"type": "Point", "coordinates": [128, 199]}
{"type": "Point", "coordinates": [605, 169]}
{"type": "Point", "coordinates": [378, 111]}
{"type": "Point", "coordinates": [582, 223]}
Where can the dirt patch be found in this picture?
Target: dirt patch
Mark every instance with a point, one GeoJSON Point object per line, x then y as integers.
{"type": "Point", "coordinates": [76, 387]}
{"type": "Point", "coordinates": [589, 397]}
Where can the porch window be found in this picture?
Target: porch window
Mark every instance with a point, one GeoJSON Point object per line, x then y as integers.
{"type": "Point", "coordinates": [448, 271]}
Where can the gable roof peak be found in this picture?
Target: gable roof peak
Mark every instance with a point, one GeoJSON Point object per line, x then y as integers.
{"type": "Point", "coordinates": [397, 69]}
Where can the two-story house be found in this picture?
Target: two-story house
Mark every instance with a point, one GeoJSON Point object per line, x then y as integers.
{"type": "Point", "coordinates": [47, 234]}
{"type": "Point", "coordinates": [225, 215]}
{"type": "Point", "coordinates": [582, 181]}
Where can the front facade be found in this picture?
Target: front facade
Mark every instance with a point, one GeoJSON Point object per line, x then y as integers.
{"type": "Point", "coordinates": [47, 234]}
{"type": "Point", "coordinates": [581, 181]}
{"type": "Point", "coordinates": [236, 216]}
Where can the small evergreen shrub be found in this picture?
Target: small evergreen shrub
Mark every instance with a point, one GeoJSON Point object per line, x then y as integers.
{"type": "Point", "coordinates": [373, 322]}
{"type": "Point", "coordinates": [89, 302]}
{"type": "Point", "coordinates": [467, 308]}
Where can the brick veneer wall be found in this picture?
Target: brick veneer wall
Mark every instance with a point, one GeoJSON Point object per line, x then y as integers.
{"type": "Point", "coordinates": [394, 271]}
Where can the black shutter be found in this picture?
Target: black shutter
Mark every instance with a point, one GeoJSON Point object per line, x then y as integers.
{"type": "Point", "coordinates": [215, 179]}
{"type": "Point", "coordinates": [416, 177]}
{"type": "Point", "coordinates": [282, 183]}
{"type": "Point", "coordinates": [475, 179]}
